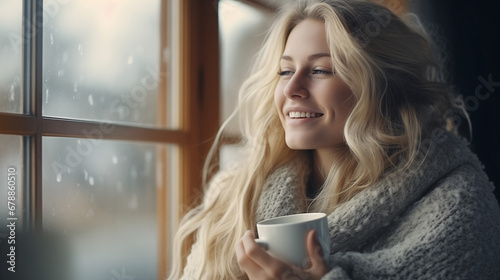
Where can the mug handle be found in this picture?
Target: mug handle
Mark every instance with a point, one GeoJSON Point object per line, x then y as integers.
{"type": "Point", "coordinates": [262, 244]}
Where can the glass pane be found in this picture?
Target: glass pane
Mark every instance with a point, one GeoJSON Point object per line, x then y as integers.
{"type": "Point", "coordinates": [101, 196]}
{"type": "Point", "coordinates": [242, 30]}
{"type": "Point", "coordinates": [101, 60]}
{"type": "Point", "coordinates": [11, 183]}
{"type": "Point", "coordinates": [10, 55]}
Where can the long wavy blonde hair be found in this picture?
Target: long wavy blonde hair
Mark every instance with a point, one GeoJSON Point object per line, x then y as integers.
{"type": "Point", "coordinates": [388, 64]}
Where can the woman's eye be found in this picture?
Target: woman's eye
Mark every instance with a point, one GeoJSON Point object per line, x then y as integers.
{"type": "Point", "coordinates": [285, 73]}
{"type": "Point", "coordinates": [320, 71]}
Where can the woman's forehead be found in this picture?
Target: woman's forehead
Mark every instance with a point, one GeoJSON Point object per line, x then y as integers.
{"type": "Point", "coordinates": [307, 38]}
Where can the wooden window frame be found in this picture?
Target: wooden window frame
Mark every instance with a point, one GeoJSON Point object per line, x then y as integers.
{"type": "Point", "coordinates": [199, 108]}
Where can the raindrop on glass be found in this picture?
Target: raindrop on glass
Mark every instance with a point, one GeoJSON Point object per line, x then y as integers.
{"type": "Point", "coordinates": [122, 112]}
{"type": "Point", "coordinates": [114, 160]}
{"type": "Point", "coordinates": [12, 93]}
{"type": "Point", "coordinates": [75, 87]}
{"type": "Point", "coordinates": [130, 59]}
{"type": "Point", "coordinates": [51, 39]}
{"type": "Point", "coordinates": [148, 156]}
{"type": "Point", "coordinates": [91, 100]}
{"type": "Point", "coordinates": [58, 177]}
{"type": "Point", "coordinates": [90, 213]}
{"type": "Point", "coordinates": [80, 49]}
{"type": "Point", "coordinates": [61, 73]}
{"type": "Point", "coordinates": [133, 202]}
{"type": "Point", "coordinates": [86, 174]}
{"type": "Point", "coordinates": [46, 96]}
{"type": "Point", "coordinates": [91, 180]}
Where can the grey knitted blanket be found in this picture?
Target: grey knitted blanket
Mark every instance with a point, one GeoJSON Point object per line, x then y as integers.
{"type": "Point", "coordinates": [439, 220]}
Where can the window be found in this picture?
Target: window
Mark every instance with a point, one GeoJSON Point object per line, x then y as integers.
{"type": "Point", "coordinates": [103, 131]}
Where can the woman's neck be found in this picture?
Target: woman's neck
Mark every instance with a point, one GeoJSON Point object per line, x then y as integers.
{"type": "Point", "coordinates": [322, 161]}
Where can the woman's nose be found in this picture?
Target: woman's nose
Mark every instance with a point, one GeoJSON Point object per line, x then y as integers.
{"type": "Point", "coordinates": [296, 86]}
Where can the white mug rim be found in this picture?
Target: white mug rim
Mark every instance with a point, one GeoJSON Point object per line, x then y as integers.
{"type": "Point", "coordinates": [269, 222]}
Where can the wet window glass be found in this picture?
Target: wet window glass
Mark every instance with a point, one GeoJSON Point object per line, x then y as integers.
{"type": "Point", "coordinates": [100, 199]}
{"type": "Point", "coordinates": [10, 55]}
{"type": "Point", "coordinates": [101, 60]}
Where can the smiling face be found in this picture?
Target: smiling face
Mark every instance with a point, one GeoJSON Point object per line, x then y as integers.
{"type": "Point", "coordinates": [313, 103]}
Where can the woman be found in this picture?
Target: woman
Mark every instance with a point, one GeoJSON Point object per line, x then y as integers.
{"type": "Point", "coordinates": [345, 113]}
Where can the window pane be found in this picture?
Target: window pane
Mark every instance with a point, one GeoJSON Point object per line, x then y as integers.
{"type": "Point", "coordinates": [101, 195]}
{"type": "Point", "coordinates": [11, 184]}
{"type": "Point", "coordinates": [10, 55]}
{"type": "Point", "coordinates": [101, 60]}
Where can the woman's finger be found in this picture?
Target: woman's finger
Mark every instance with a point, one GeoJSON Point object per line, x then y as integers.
{"type": "Point", "coordinates": [272, 267]}
{"type": "Point", "coordinates": [245, 262]}
{"type": "Point", "coordinates": [314, 249]}
{"type": "Point", "coordinates": [318, 264]}
{"type": "Point", "coordinates": [259, 255]}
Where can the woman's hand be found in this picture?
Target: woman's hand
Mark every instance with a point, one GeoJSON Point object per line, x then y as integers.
{"type": "Point", "coordinates": [258, 264]}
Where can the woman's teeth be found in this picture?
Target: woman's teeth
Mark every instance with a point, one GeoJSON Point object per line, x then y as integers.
{"type": "Point", "coordinates": [298, 115]}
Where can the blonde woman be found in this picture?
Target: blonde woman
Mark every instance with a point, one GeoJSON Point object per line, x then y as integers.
{"type": "Point", "coordinates": [345, 113]}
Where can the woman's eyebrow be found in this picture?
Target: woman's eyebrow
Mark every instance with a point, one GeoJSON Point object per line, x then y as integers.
{"type": "Point", "coordinates": [311, 57]}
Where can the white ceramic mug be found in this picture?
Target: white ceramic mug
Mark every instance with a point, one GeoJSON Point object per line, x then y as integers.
{"type": "Point", "coordinates": [285, 237]}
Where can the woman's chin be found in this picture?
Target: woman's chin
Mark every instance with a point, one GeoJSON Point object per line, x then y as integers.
{"type": "Point", "coordinates": [299, 145]}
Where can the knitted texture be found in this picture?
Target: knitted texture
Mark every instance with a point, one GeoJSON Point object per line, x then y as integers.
{"type": "Point", "coordinates": [437, 220]}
